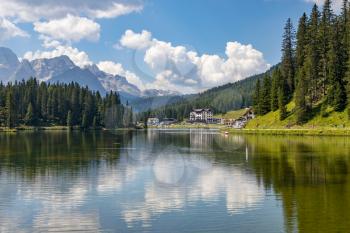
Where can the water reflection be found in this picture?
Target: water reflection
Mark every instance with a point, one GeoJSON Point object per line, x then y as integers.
{"type": "Point", "coordinates": [171, 181]}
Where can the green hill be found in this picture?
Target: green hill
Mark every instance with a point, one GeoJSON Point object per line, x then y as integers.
{"type": "Point", "coordinates": [330, 119]}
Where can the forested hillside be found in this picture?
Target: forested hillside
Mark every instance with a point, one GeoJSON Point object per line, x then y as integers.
{"type": "Point", "coordinates": [33, 104]}
{"type": "Point", "coordinates": [221, 99]}
{"type": "Point", "coordinates": [314, 73]}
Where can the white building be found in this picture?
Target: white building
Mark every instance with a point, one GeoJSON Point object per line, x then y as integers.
{"type": "Point", "coordinates": [201, 115]}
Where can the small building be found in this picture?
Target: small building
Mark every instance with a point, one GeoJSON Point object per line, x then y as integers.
{"type": "Point", "coordinates": [243, 120]}
{"type": "Point", "coordinates": [153, 121]}
{"type": "Point", "coordinates": [215, 121]}
{"type": "Point", "coordinates": [201, 115]}
{"type": "Point", "coordinates": [229, 122]}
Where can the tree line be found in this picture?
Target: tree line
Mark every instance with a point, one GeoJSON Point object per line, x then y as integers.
{"type": "Point", "coordinates": [41, 104]}
{"type": "Point", "coordinates": [315, 66]}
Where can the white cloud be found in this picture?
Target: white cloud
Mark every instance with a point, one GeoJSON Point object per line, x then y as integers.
{"type": "Point", "coordinates": [23, 10]}
{"type": "Point", "coordinates": [68, 21]}
{"type": "Point", "coordinates": [117, 9]}
{"type": "Point", "coordinates": [134, 40]}
{"type": "Point", "coordinates": [69, 28]}
{"type": "Point", "coordinates": [9, 30]}
{"type": "Point", "coordinates": [117, 69]}
{"type": "Point", "coordinates": [178, 68]}
{"type": "Point", "coordinates": [80, 58]}
{"type": "Point", "coordinates": [337, 4]}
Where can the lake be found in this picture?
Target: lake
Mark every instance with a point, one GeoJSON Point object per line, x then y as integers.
{"type": "Point", "coordinates": [173, 181]}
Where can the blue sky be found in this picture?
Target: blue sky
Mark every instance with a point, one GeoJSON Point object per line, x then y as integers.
{"type": "Point", "coordinates": [201, 26]}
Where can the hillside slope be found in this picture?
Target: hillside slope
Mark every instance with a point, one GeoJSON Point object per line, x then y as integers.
{"type": "Point", "coordinates": [329, 120]}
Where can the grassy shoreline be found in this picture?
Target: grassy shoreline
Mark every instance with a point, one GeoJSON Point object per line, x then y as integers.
{"type": "Point", "coordinates": [297, 132]}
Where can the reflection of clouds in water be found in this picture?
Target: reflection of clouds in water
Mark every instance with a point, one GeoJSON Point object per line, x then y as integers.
{"type": "Point", "coordinates": [240, 190]}
{"type": "Point", "coordinates": [53, 203]}
{"type": "Point", "coordinates": [142, 153]}
{"type": "Point", "coordinates": [169, 169]}
{"type": "Point", "coordinates": [66, 222]}
{"type": "Point", "coordinates": [166, 177]}
{"type": "Point", "coordinates": [10, 224]}
{"type": "Point", "coordinates": [112, 178]}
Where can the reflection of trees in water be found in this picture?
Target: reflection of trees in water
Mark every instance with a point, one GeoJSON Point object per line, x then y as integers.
{"type": "Point", "coordinates": [68, 153]}
{"type": "Point", "coordinates": [311, 176]}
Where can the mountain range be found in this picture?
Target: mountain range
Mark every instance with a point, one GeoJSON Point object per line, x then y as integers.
{"type": "Point", "coordinates": [63, 70]}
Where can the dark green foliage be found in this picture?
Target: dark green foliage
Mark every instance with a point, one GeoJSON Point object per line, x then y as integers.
{"type": "Point", "coordinates": [322, 65]}
{"type": "Point", "coordinates": [257, 98]}
{"type": "Point", "coordinates": [302, 37]}
{"type": "Point", "coordinates": [288, 57]}
{"type": "Point", "coordinates": [276, 77]}
{"type": "Point", "coordinates": [300, 96]}
{"type": "Point", "coordinates": [43, 104]}
{"type": "Point", "coordinates": [312, 71]}
{"type": "Point", "coordinates": [10, 108]}
{"type": "Point", "coordinates": [324, 112]}
{"type": "Point", "coordinates": [326, 35]}
{"type": "Point", "coordinates": [281, 104]}
{"type": "Point", "coordinates": [265, 97]}
{"type": "Point", "coordinates": [339, 101]}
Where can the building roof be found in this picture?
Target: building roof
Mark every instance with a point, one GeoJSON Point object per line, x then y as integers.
{"type": "Point", "coordinates": [202, 110]}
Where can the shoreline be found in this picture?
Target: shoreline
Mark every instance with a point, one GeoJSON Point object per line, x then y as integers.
{"type": "Point", "coordinates": [296, 132]}
{"type": "Point", "coordinates": [53, 128]}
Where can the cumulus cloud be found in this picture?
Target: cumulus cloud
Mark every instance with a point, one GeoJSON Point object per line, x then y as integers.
{"type": "Point", "coordinates": [23, 10]}
{"type": "Point", "coordinates": [117, 69]}
{"type": "Point", "coordinates": [68, 21]}
{"type": "Point", "coordinates": [69, 28]}
{"type": "Point", "coordinates": [9, 30]}
{"type": "Point", "coordinates": [80, 58]}
{"type": "Point", "coordinates": [134, 40]}
{"type": "Point", "coordinates": [178, 68]}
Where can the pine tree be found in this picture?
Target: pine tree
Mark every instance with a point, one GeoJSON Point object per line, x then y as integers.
{"type": "Point", "coordinates": [325, 43]}
{"type": "Point", "coordinates": [302, 42]}
{"type": "Point", "coordinates": [29, 118]}
{"type": "Point", "coordinates": [257, 98]}
{"type": "Point", "coordinates": [11, 119]}
{"type": "Point", "coordinates": [300, 95]}
{"type": "Point", "coordinates": [276, 77]}
{"type": "Point", "coordinates": [282, 106]}
{"type": "Point", "coordinates": [265, 97]}
{"type": "Point", "coordinates": [288, 57]}
{"type": "Point", "coordinates": [282, 99]}
{"type": "Point", "coordinates": [313, 57]}
{"type": "Point", "coordinates": [337, 95]}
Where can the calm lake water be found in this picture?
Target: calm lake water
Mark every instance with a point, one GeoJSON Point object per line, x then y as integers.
{"type": "Point", "coordinates": [173, 181]}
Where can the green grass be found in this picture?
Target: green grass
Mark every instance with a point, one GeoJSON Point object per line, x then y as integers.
{"type": "Point", "coordinates": [232, 114]}
{"type": "Point", "coordinates": [317, 124]}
